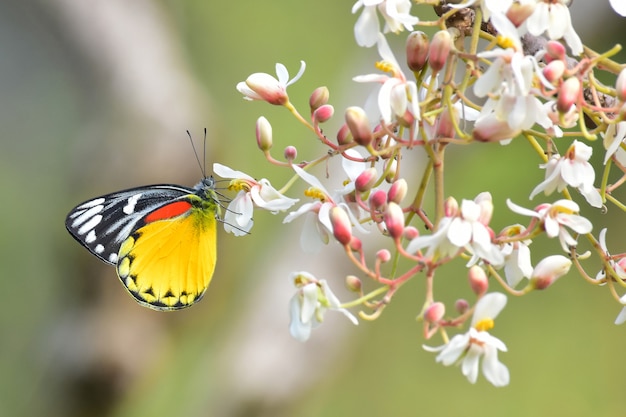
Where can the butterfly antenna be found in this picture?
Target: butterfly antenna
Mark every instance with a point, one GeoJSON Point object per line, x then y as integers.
{"type": "Point", "coordinates": [195, 152]}
{"type": "Point", "coordinates": [204, 154]}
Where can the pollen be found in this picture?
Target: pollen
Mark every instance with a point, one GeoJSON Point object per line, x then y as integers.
{"type": "Point", "coordinates": [385, 67]}
{"type": "Point", "coordinates": [505, 42]}
{"type": "Point", "coordinates": [315, 193]}
{"type": "Point", "coordinates": [484, 325]}
{"type": "Point", "coordinates": [239, 185]}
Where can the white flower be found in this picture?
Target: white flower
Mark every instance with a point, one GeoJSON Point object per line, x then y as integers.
{"type": "Point", "coordinates": [396, 15]}
{"type": "Point", "coordinates": [613, 139]}
{"type": "Point", "coordinates": [553, 17]}
{"type": "Point", "coordinates": [572, 169]}
{"type": "Point", "coordinates": [465, 229]}
{"type": "Point", "coordinates": [517, 264]}
{"type": "Point", "coordinates": [618, 266]}
{"type": "Point", "coordinates": [556, 218]}
{"type": "Point", "coordinates": [548, 270]}
{"type": "Point", "coordinates": [621, 317]}
{"type": "Point", "coordinates": [477, 343]}
{"type": "Point", "coordinates": [509, 80]}
{"type": "Point", "coordinates": [238, 217]}
{"type": "Point", "coordinates": [317, 226]}
{"type": "Point", "coordinates": [397, 95]}
{"type": "Point", "coordinates": [308, 306]}
{"type": "Point", "coordinates": [262, 86]}
{"type": "Point", "coordinates": [619, 6]}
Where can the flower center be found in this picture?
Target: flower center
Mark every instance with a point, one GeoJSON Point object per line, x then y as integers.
{"type": "Point", "coordinates": [315, 193]}
{"type": "Point", "coordinates": [238, 185]}
{"type": "Point", "coordinates": [484, 325]}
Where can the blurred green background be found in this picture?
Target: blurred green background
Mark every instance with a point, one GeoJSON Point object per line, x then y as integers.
{"type": "Point", "coordinates": [96, 96]}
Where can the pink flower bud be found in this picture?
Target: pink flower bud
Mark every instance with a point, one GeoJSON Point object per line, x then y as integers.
{"type": "Point", "coordinates": [478, 280]}
{"type": "Point", "coordinates": [461, 305]}
{"type": "Point", "coordinates": [318, 98]}
{"type": "Point", "coordinates": [394, 220]}
{"type": "Point", "coordinates": [366, 180]}
{"type": "Point", "coordinates": [435, 312]}
{"type": "Point", "coordinates": [344, 136]}
{"type": "Point", "coordinates": [342, 228]}
{"type": "Point", "coordinates": [397, 191]}
{"type": "Point", "coordinates": [377, 200]}
{"type": "Point", "coordinates": [290, 153]}
{"type": "Point", "coordinates": [554, 70]}
{"type": "Point", "coordinates": [355, 244]}
{"type": "Point", "coordinates": [569, 93]}
{"type": "Point", "coordinates": [620, 86]}
{"type": "Point", "coordinates": [323, 113]}
{"type": "Point", "coordinates": [439, 50]}
{"type": "Point", "coordinates": [554, 51]}
{"type": "Point", "coordinates": [450, 207]}
{"type": "Point", "coordinates": [267, 88]}
{"type": "Point", "coordinates": [383, 255]}
{"type": "Point", "coordinates": [411, 233]}
{"type": "Point", "coordinates": [417, 50]}
{"type": "Point", "coordinates": [353, 283]}
{"type": "Point", "coordinates": [492, 129]}
{"type": "Point", "coordinates": [548, 270]}
{"type": "Point", "coordinates": [518, 13]}
{"type": "Point", "coordinates": [359, 126]}
{"type": "Point", "coordinates": [263, 134]}
{"type": "Point", "coordinates": [445, 127]}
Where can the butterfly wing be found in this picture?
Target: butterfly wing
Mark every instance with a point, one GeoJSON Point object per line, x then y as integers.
{"type": "Point", "coordinates": [162, 238]}
{"type": "Point", "coordinates": [103, 223]}
{"type": "Point", "coordinates": [168, 263]}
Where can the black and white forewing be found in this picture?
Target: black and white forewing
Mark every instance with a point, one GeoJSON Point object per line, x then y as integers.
{"type": "Point", "coordinates": [103, 223]}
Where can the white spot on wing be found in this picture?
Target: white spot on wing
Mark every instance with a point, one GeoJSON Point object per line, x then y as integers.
{"type": "Point", "coordinates": [91, 237]}
{"type": "Point", "coordinates": [99, 248]}
{"type": "Point", "coordinates": [113, 258]}
{"type": "Point", "coordinates": [88, 217]}
{"type": "Point", "coordinates": [89, 225]}
{"type": "Point", "coordinates": [91, 203]}
{"type": "Point", "coordinates": [132, 202]}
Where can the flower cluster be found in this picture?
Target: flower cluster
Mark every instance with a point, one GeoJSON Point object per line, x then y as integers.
{"type": "Point", "coordinates": [541, 91]}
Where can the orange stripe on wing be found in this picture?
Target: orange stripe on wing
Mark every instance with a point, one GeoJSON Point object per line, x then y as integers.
{"type": "Point", "coordinates": [168, 211]}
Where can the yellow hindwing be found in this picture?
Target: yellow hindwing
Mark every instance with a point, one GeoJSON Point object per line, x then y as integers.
{"type": "Point", "coordinates": [168, 264]}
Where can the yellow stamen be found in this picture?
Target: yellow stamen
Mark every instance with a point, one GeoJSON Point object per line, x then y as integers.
{"type": "Point", "coordinates": [238, 185]}
{"type": "Point", "coordinates": [315, 193]}
{"type": "Point", "coordinates": [484, 325]}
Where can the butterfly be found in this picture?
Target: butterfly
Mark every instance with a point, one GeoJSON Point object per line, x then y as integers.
{"type": "Point", "coordinates": [161, 239]}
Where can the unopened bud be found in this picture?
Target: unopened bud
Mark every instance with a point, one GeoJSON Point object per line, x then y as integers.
{"type": "Point", "coordinates": [434, 312]}
{"type": "Point", "coordinates": [353, 283]}
{"type": "Point", "coordinates": [342, 228]}
{"type": "Point", "coordinates": [377, 200]}
{"type": "Point", "coordinates": [410, 233]}
{"type": "Point", "coordinates": [554, 51]}
{"type": "Point", "coordinates": [450, 207]}
{"type": "Point", "coordinates": [569, 93]}
{"type": "Point", "coordinates": [518, 13]}
{"type": "Point", "coordinates": [318, 98]}
{"type": "Point", "coordinates": [445, 125]}
{"type": "Point", "coordinates": [355, 244]}
{"type": "Point", "coordinates": [461, 305]}
{"type": "Point", "coordinates": [263, 134]}
{"type": "Point", "coordinates": [383, 255]}
{"type": "Point", "coordinates": [491, 129]}
{"type": "Point", "coordinates": [548, 270]}
{"type": "Point", "coordinates": [439, 50]}
{"type": "Point", "coordinates": [394, 220]}
{"type": "Point", "coordinates": [323, 113]}
{"type": "Point", "coordinates": [554, 70]}
{"type": "Point", "coordinates": [620, 86]}
{"type": "Point", "coordinates": [366, 180]}
{"type": "Point", "coordinates": [344, 136]}
{"type": "Point", "coordinates": [391, 168]}
{"type": "Point", "coordinates": [397, 191]}
{"type": "Point", "coordinates": [290, 153]}
{"type": "Point", "coordinates": [478, 280]}
{"type": "Point", "coordinates": [359, 126]}
{"type": "Point", "coordinates": [417, 50]}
